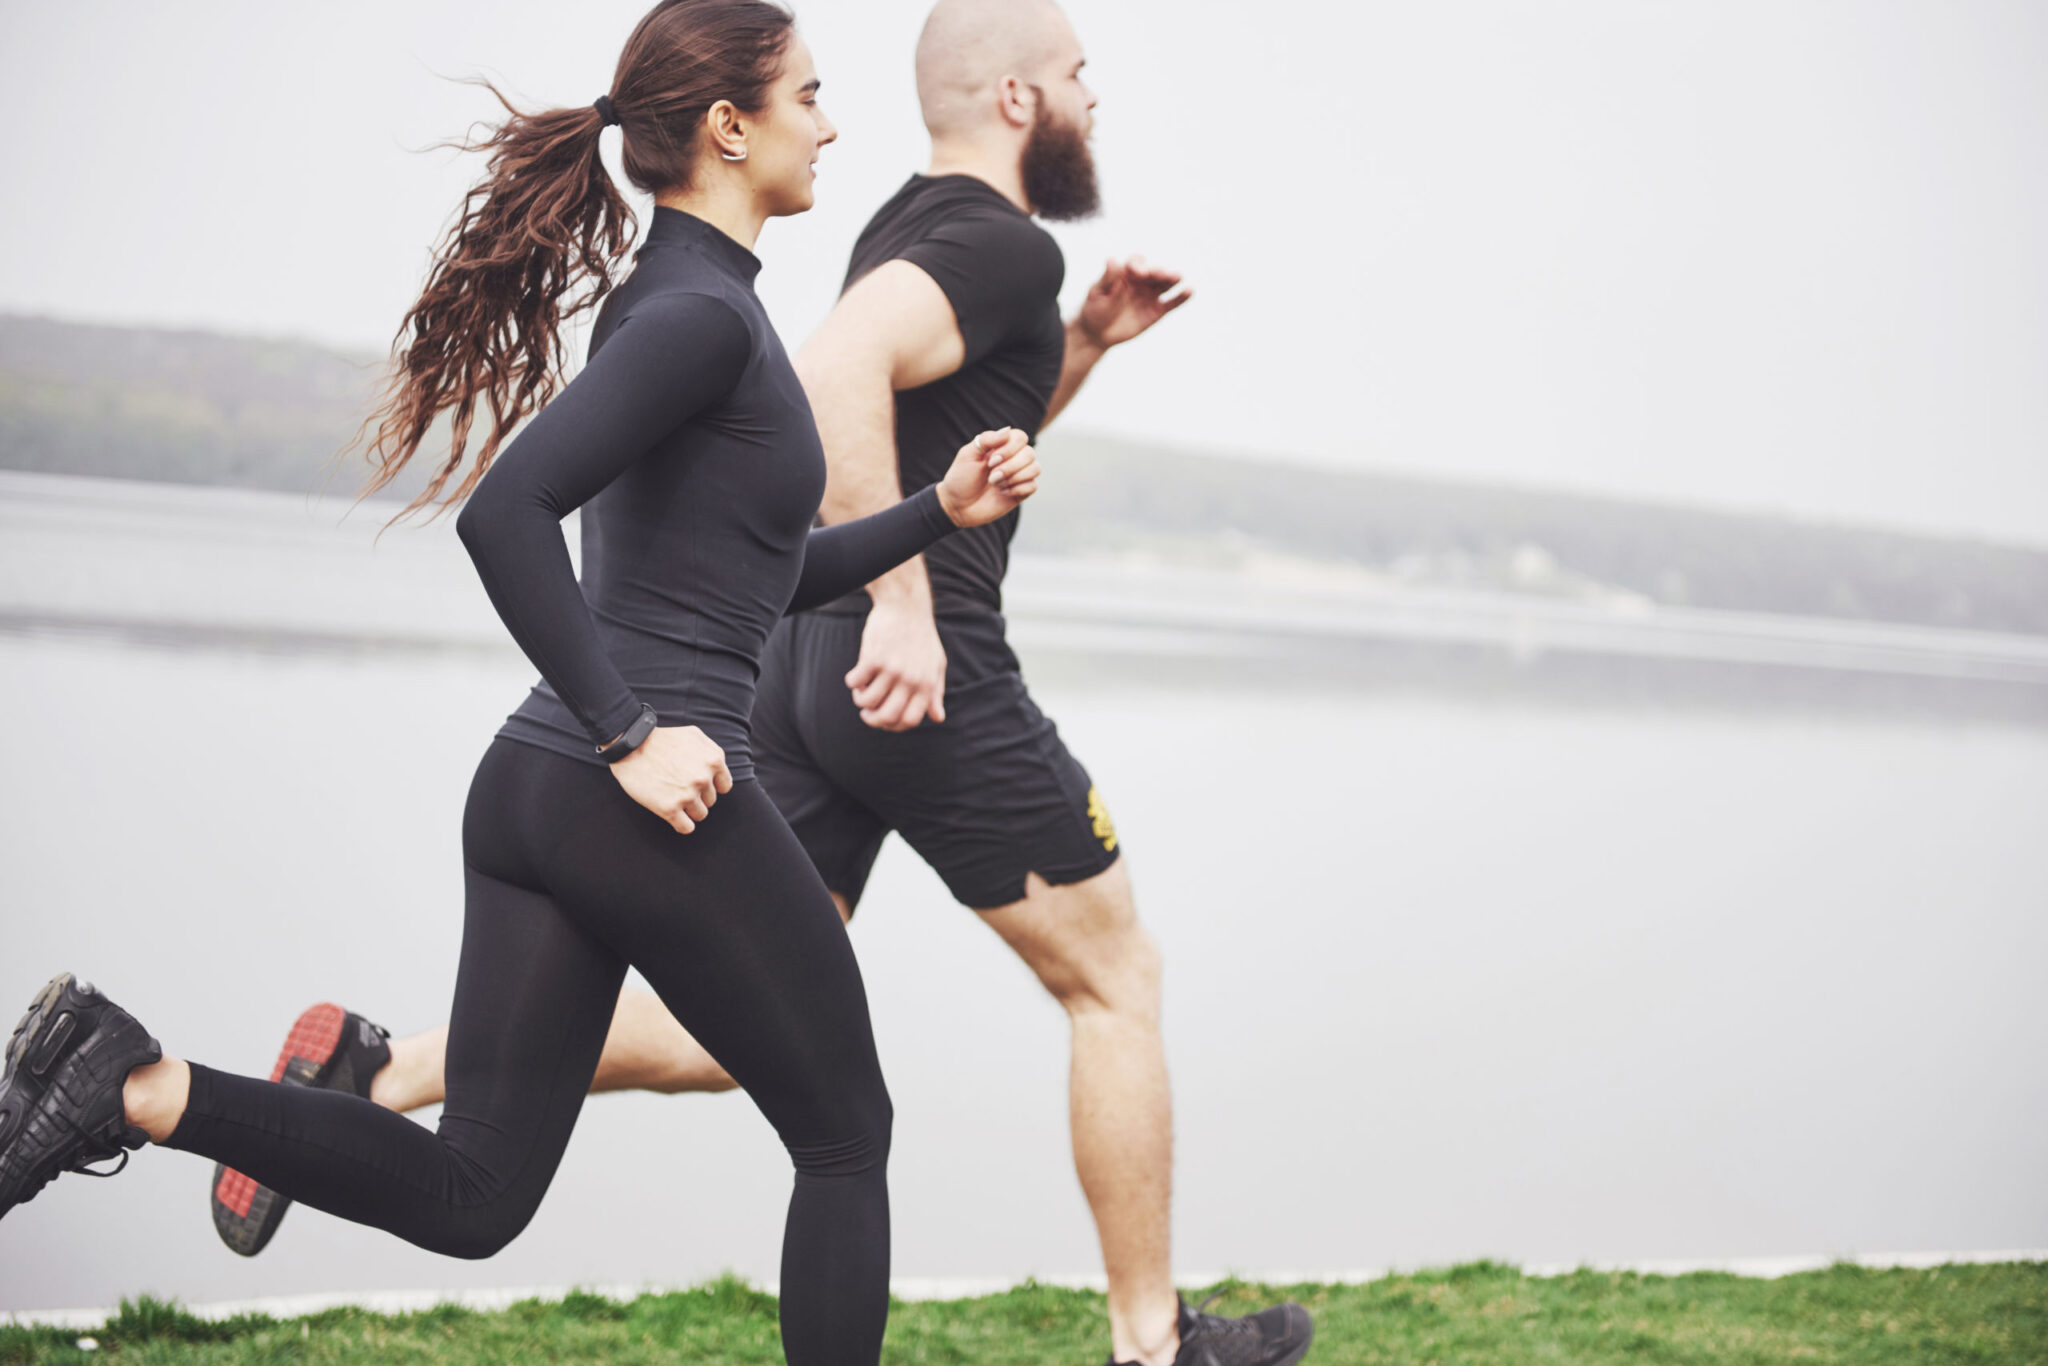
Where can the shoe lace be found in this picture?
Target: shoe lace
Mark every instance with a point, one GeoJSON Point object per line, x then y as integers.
{"type": "Point", "coordinates": [82, 1169]}
{"type": "Point", "coordinates": [1216, 1327]}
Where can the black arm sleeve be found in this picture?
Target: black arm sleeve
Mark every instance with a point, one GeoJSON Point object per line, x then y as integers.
{"type": "Point", "coordinates": [674, 356]}
{"type": "Point", "coordinates": [839, 559]}
{"type": "Point", "coordinates": [996, 269]}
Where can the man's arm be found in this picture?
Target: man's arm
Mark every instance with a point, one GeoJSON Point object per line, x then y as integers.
{"type": "Point", "coordinates": [893, 329]}
{"type": "Point", "coordinates": [1127, 300]}
{"type": "Point", "coordinates": [1083, 350]}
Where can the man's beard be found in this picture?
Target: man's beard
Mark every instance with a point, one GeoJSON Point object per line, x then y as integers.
{"type": "Point", "coordinates": [1059, 170]}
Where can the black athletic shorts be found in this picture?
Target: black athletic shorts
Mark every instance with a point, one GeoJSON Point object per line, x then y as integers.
{"type": "Point", "coordinates": [984, 798]}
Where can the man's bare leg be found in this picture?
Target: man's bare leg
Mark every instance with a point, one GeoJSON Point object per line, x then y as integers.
{"type": "Point", "coordinates": [646, 1050]}
{"type": "Point", "coordinates": [1087, 946]}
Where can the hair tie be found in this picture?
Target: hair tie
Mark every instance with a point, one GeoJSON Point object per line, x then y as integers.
{"type": "Point", "coordinates": [603, 105]}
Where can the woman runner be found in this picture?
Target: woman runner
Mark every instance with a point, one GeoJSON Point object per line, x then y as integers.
{"type": "Point", "coordinates": [615, 819]}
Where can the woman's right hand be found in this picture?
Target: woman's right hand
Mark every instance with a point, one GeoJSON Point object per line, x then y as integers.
{"type": "Point", "coordinates": [990, 476]}
{"type": "Point", "coordinates": [677, 773]}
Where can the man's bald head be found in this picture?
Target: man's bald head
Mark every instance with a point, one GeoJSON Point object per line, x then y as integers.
{"type": "Point", "coordinates": [969, 45]}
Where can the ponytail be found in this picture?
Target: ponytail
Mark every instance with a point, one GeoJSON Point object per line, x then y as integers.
{"type": "Point", "coordinates": [539, 236]}
{"type": "Point", "coordinates": [545, 223]}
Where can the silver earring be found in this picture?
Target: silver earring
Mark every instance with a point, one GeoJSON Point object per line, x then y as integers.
{"type": "Point", "coordinates": [730, 157]}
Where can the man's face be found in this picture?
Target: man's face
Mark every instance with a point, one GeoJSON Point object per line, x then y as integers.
{"type": "Point", "coordinates": [1058, 168]}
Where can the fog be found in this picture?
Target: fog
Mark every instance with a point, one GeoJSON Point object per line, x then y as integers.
{"type": "Point", "coordinates": [1775, 257]}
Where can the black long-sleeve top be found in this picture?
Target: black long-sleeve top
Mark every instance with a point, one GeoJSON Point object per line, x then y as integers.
{"type": "Point", "coordinates": [689, 445]}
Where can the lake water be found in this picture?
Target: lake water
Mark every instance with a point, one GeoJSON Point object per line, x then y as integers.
{"type": "Point", "coordinates": [1448, 977]}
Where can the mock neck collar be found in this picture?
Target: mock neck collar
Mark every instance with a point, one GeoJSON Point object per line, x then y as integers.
{"type": "Point", "coordinates": [676, 225]}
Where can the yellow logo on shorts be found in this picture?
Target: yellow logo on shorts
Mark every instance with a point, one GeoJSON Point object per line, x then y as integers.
{"type": "Point", "coordinates": [1105, 828]}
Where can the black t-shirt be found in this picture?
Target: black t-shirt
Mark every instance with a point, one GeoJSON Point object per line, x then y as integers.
{"type": "Point", "coordinates": [689, 445]}
{"type": "Point", "coordinates": [1002, 273]}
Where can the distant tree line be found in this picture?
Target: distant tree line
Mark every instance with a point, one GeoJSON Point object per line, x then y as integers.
{"type": "Point", "coordinates": [201, 408]}
{"type": "Point", "coordinates": [1114, 493]}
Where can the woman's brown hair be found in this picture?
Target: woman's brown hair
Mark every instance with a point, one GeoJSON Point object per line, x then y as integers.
{"type": "Point", "coordinates": [538, 237]}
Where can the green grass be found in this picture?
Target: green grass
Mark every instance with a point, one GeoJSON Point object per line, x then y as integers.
{"type": "Point", "coordinates": [1479, 1314]}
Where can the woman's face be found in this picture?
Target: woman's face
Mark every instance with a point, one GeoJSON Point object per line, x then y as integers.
{"type": "Point", "coordinates": [786, 135]}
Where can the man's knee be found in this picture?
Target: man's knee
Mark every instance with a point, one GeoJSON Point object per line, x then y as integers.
{"type": "Point", "coordinates": [649, 1050]}
{"type": "Point", "coordinates": [1124, 980]}
{"type": "Point", "coordinates": [696, 1073]}
{"type": "Point", "coordinates": [1086, 944]}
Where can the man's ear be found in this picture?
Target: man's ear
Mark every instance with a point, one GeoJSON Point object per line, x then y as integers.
{"type": "Point", "coordinates": [1017, 101]}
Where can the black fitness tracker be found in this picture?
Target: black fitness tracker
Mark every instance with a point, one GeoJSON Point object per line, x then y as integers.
{"type": "Point", "coordinates": [630, 738]}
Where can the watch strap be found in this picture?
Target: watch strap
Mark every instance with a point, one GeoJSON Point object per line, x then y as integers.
{"type": "Point", "coordinates": [629, 739]}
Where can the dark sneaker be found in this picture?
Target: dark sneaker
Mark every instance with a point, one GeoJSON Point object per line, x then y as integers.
{"type": "Point", "coordinates": [329, 1048]}
{"type": "Point", "coordinates": [60, 1097]}
{"type": "Point", "coordinates": [1272, 1337]}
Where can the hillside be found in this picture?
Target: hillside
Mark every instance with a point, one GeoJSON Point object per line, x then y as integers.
{"type": "Point", "coordinates": [177, 407]}
{"type": "Point", "coordinates": [192, 407]}
{"type": "Point", "coordinates": [1115, 495]}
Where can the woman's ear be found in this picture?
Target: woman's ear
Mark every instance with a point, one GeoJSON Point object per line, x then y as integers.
{"type": "Point", "coordinates": [727, 128]}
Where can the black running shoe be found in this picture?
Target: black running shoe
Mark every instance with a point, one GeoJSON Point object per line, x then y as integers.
{"type": "Point", "coordinates": [60, 1097]}
{"type": "Point", "coordinates": [329, 1048]}
{"type": "Point", "coordinates": [1272, 1337]}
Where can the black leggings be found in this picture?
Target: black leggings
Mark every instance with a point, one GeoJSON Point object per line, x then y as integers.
{"type": "Point", "coordinates": [569, 881]}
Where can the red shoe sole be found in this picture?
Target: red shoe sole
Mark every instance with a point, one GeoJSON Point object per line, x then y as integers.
{"type": "Point", "coordinates": [315, 1036]}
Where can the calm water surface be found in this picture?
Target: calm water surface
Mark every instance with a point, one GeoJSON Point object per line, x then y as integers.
{"type": "Point", "coordinates": [1444, 980]}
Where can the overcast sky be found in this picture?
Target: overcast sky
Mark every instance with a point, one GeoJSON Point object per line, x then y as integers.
{"type": "Point", "coordinates": [1769, 254]}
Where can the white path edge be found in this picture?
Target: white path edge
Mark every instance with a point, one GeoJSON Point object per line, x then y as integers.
{"type": "Point", "coordinates": [968, 1287]}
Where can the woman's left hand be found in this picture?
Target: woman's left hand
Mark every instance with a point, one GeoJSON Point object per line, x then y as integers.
{"type": "Point", "coordinates": [992, 474]}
